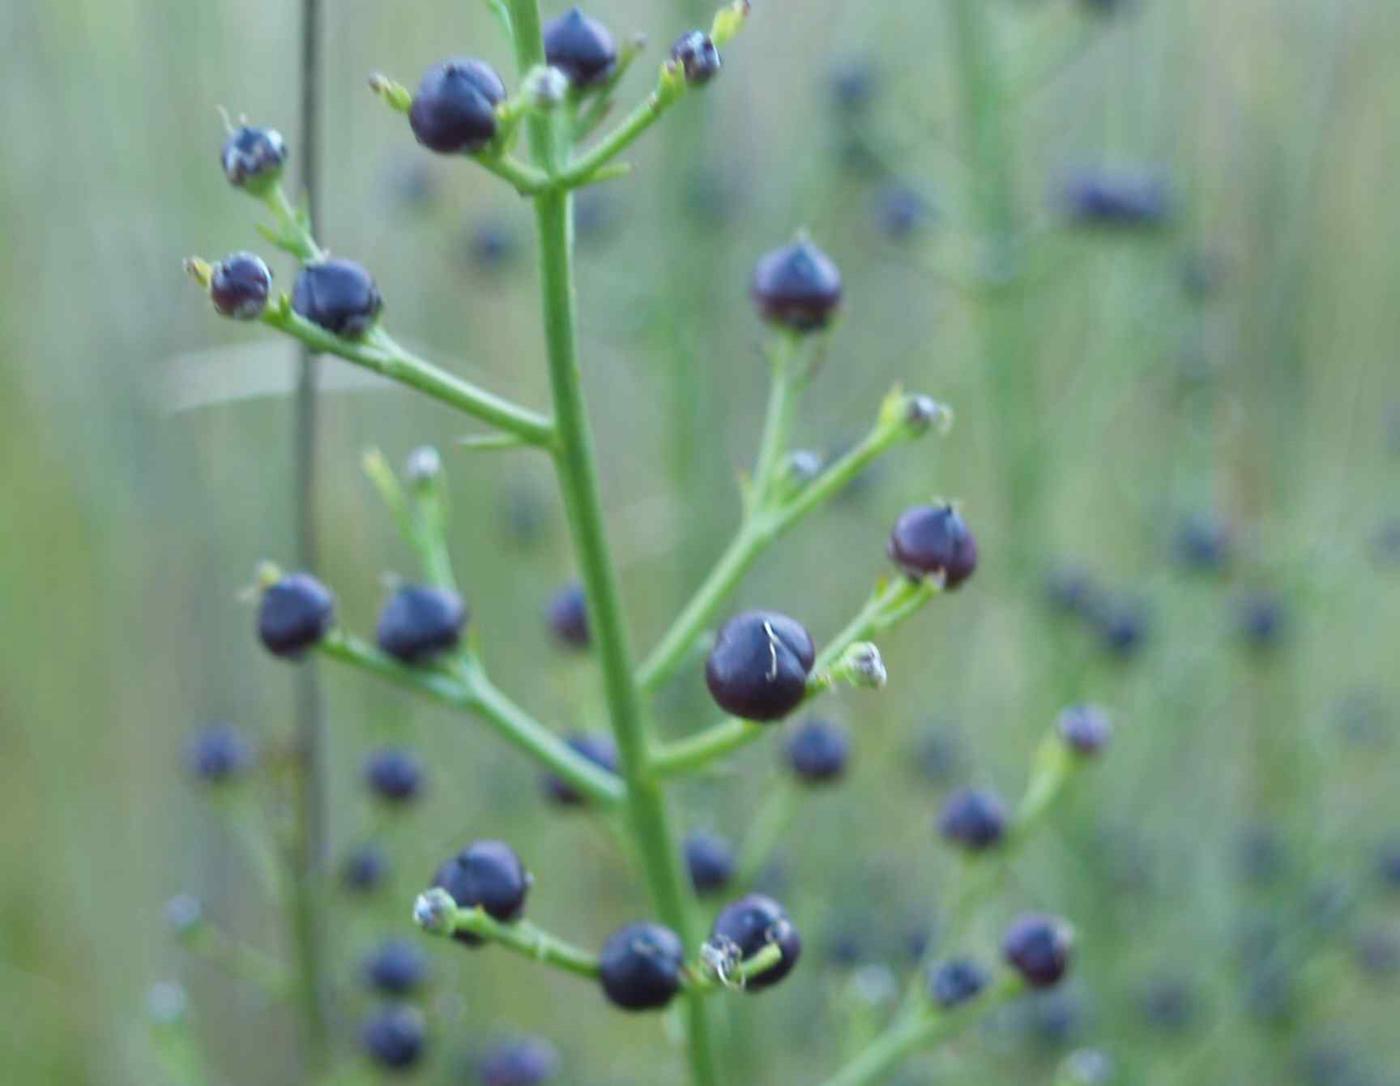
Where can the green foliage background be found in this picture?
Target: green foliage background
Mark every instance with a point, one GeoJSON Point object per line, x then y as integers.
{"type": "Point", "coordinates": [132, 520]}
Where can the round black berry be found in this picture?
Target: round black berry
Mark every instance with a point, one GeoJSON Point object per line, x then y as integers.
{"type": "Point", "coordinates": [526, 1061]}
{"type": "Point", "coordinates": [394, 1037]}
{"type": "Point", "coordinates": [337, 295]}
{"type": "Point", "coordinates": [239, 286]}
{"type": "Point", "coordinates": [817, 750]}
{"type": "Point", "coordinates": [749, 925]}
{"type": "Point", "coordinates": [933, 540]}
{"type": "Point", "coordinates": [1085, 729]}
{"type": "Point", "coordinates": [364, 868]}
{"type": "Point", "coordinates": [253, 158]}
{"type": "Point", "coordinates": [568, 617]}
{"type": "Point", "coordinates": [294, 614]}
{"type": "Point", "coordinates": [973, 818]}
{"type": "Point", "coordinates": [640, 966]}
{"type": "Point", "coordinates": [486, 875]}
{"type": "Point", "coordinates": [598, 748]}
{"type": "Point", "coordinates": [710, 860]}
{"type": "Point", "coordinates": [955, 982]}
{"type": "Point", "coordinates": [419, 622]}
{"type": "Point", "coordinates": [698, 57]}
{"type": "Point", "coordinates": [1118, 200]}
{"type": "Point", "coordinates": [219, 753]}
{"type": "Point", "coordinates": [396, 967]}
{"type": "Point", "coordinates": [581, 48]}
{"type": "Point", "coordinates": [759, 665]}
{"type": "Point", "coordinates": [394, 775]}
{"type": "Point", "coordinates": [1038, 947]}
{"type": "Point", "coordinates": [454, 111]}
{"type": "Point", "coordinates": [797, 287]}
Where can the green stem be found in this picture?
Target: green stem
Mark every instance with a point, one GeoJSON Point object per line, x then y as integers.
{"type": "Point", "coordinates": [576, 468]}
{"type": "Point", "coordinates": [475, 693]}
{"type": "Point", "coordinates": [379, 353]}
{"type": "Point", "coordinates": [912, 1033]}
{"type": "Point", "coordinates": [642, 117]}
{"type": "Point", "coordinates": [525, 938]}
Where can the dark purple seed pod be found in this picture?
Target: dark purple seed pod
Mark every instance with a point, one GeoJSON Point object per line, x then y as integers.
{"type": "Point", "coordinates": [955, 982]}
{"type": "Point", "coordinates": [219, 753]}
{"type": "Point", "coordinates": [454, 111]}
{"type": "Point", "coordinates": [294, 614]}
{"type": "Point", "coordinates": [394, 1037]}
{"type": "Point", "coordinates": [253, 158]}
{"type": "Point", "coordinates": [239, 286]}
{"type": "Point", "coordinates": [339, 296]}
{"type": "Point", "coordinates": [580, 47]}
{"type": "Point", "coordinates": [524, 1061]}
{"type": "Point", "coordinates": [973, 818]}
{"type": "Point", "coordinates": [396, 967]}
{"type": "Point", "coordinates": [709, 859]}
{"type": "Point", "coordinates": [1038, 947]}
{"type": "Point", "coordinates": [419, 622]}
{"type": "Point", "coordinates": [818, 750]}
{"type": "Point", "coordinates": [486, 875]}
{"type": "Point", "coordinates": [759, 664]}
{"type": "Point", "coordinates": [640, 967]}
{"type": "Point", "coordinates": [931, 541]}
{"type": "Point", "coordinates": [797, 286]}
{"type": "Point", "coordinates": [599, 748]}
{"type": "Point", "coordinates": [568, 617]}
{"type": "Point", "coordinates": [394, 775]}
{"type": "Point", "coordinates": [698, 57]}
{"type": "Point", "coordinates": [747, 926]}
{"type": "Point", "coordinates": [1085, 729]}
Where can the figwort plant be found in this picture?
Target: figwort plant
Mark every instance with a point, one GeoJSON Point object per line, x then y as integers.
{"type": "Point", "coordinates": [545, 138]}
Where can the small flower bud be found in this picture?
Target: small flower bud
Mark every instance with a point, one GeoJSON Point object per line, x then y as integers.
{"type": "Point", "coordinates": [728, 21]}
{"type": "Point", "coordinates": [545, 87]}
{"type": "Point", "coordinates": [865, 666]}
{"type": "Point", "coordinates": [434, 910]}
{"type": "Point", "coordinates": [253, 158]}
{"type": "Point", "coordinates": [423, 467]}
{"type": "Point", "coordinates": [695, 52]}
{"type": "Point", "coordinates": [921, 412]}
{"type": "Point", "coordinates": [395, 94]}
{"type": "Point", "coordinates": [184, 913]}
{"type": "Point", "coordinates": [239, 286]}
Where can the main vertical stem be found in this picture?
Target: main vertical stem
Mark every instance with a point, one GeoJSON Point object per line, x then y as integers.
{"type": "Point", "coordinates": [576, 467]}
{"type": "Point", "coordinates": [308, 845]}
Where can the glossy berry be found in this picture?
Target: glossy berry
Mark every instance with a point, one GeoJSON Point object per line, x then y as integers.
{"type": "Point", "coordinates": [394, 1037]}
{"type": "Point", "coordinates": [394, 775]}
{"type": "Point", "coordinates": [1118, 199]}
{"type": "Point", "coordinates": [568, 617]}
{"type": "Point", "coordinates": [709, 859]}
{"type": "Point", "coordinates": [752, 923]}
{"type": "Point", "coordinates": [218, 753]}
{"type": "Point", "coordinates": [337, 295]}
{"type": "Point", "coordinates": [396, 967]}
{"type": "Point", "coordinates": [598, 748]}
{"type": "Point", "coordinates": [797, 287]}
{"type": "Point", "coordinates": [294, 614]}
{"type": "Point", "coordinates": [640, 966]}
{"type": "Point", "coordinates": [955, 982]}
{"type": "Point", "coordinates": [526, 1061]}
{"type": "Point", "coordinates": [364, 868]}
{"type": "Point", "coordinates": [1262, 620]}
{"type": "Point", "coordinates": [758, 666]}
{"type": "Point", "coordinates": [253, 158]}
{"type": "Point", "coordinates": [973, 818]}
{"type": "Point", "coordinates": [817, 751]}
{"type": "Point", "coordinates": [1085, 729]}
{"type": "Point", "coordinates": [581, 48]}
{"type": "Point", "coordinates": [419, 622]}
{"type": "Point", "coordinates": [932, 541]}
{"type": "Point", "coordinates": [698, 57]}
{"type": "Point", "coordinates": [239, 285]}
{"type": "Point", "coordinates": [454, 111]}
{"type": "Point", "coordinates": [1038, 947]}
{"type": "Point", "coordinates": [486, 875]}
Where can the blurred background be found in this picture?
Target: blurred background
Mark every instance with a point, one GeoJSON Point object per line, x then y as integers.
{"type": "Point", "coordinates": [1151, 269]}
